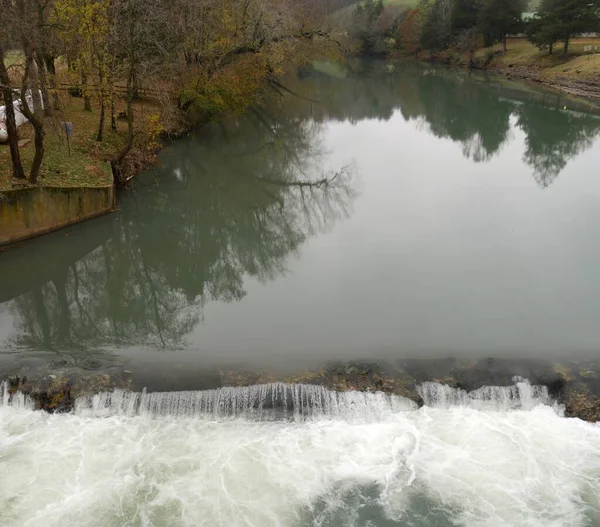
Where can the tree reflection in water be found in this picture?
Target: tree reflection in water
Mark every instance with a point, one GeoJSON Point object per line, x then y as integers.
{"type": "Point", "coordinates": [476, 111]}
{"type": "Point", "coordinates": [240, 198]}
{"type": "Point", "coordinates": [236, 202]}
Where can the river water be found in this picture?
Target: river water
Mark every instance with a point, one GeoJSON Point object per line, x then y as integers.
{"type": "Point", "coordinates": [380, 211]}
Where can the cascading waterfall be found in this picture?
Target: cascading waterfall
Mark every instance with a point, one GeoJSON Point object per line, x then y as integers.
{"type": "Point", "coordinates": [261, 402]}
{"type": "Point", "coordinates": [293, 401]}
{"type": "Point", "coordinates": [14, 399]}
{"type": "Point", "coordinates": [521, 395]}
{"type": "Point", "coordinates": [299, 455]}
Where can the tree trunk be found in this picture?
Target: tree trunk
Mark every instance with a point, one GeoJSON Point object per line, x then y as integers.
{"type": "Point", "coordinates": [40, 53]}
{"type": "Point", "coordinates": [39, 154]}
{"type": "Point", "coordinates": [136, 87]}
{"type": "Point", "coordinates": [55, 98]}
{"type": "Point", "coordinates": [551, 48]}
{"type": "Point", "coordinates": [504, 44]}
{"type": "Point", "coordinates": [129, 144]}
{"type": "Point", "coordinates": [43, 83]}
{"type": "Point", "coordinates": [566, 48]}
{"type": "Point", "coordinates": [87, 101]}
{"type": "Point", "coordinates": [50, 67]}
{"type": "Point", "coordinates": [100, 135]}
{"type": "Point", "coordinates": [11, 125]}
{"type": "Point", "coordinates": [118, 162]}
{"type": "Point", "coordinates": [113, 117]}
{"type": "Point", "coordinates": [35, 115]}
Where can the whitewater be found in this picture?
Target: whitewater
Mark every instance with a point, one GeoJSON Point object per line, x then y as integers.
{"type": "Point", "coordinates": [298, 455]}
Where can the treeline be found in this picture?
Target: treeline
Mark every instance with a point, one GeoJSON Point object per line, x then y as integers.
{"type": "Point", "coordinates": [470, 24]}
{"type": "Point", "coordinates": [191, 56]}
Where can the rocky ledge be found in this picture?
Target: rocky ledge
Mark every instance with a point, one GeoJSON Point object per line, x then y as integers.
{"type": "Point", "coordinates": [576, 385]}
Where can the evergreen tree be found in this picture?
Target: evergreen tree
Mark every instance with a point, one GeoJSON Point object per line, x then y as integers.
{"type": "Point", "coordinates": [564, 18]}
{"type": "Point", "coordinates": [544, 31]}
{"type": "Point", "coordinates": [436, 33]}
{"type": "Point", "coordinates": [367, 27]}
{"type": "Point", "coordinates": [465, 14]}
{"type": "Point", "coordinates": [498, 18]}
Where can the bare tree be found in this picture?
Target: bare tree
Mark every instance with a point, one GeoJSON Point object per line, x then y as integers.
{"type": "Point", "coordinates": [143, 45]}
{"type": "Point", "coordinates": [11, 126]}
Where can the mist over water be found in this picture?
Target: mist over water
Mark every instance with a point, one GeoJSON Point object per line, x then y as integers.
{"type": "Point", "coordinates": [497, 456]}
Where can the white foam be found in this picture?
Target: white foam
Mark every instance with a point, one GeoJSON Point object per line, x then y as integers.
{"type": "Point", "coordinates": [14, 400]}
{"type": "Point", "coordinates": [261, 402]}
{"type": "Point", "coordinates": [520, 395]}
{"type": "Point", "coordinates": [444, 465]}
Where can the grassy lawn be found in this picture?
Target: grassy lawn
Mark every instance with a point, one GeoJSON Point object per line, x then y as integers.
{"type": "Point", "coordinates": [83, 167]}
{"type": "Point", "coordinates": [401, 4]}
{"type": "Point", "coordinates": [522, 53]}
{"type": "Point", "coordinates": [88, 162]}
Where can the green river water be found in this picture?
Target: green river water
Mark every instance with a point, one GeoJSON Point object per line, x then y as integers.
{"type": "Point", "coordinates": [388, 213]}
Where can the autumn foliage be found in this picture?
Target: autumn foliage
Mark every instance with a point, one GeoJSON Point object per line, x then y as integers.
{"type": "Point", "coordinates": [193, 58]}
{"type": "Point", "coordinates": [410, 30]}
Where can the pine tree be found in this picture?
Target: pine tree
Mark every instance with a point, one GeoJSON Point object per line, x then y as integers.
{"type": "Point", "coordinates": [499, 18]}
{"type": "Point", "coordinates": [564, 18]}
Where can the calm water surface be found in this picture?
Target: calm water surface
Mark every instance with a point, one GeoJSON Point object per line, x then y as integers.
{"type": "Point", "coordinates": [379, 212]}
{"type": "Point", "coordinates": [382, 210]}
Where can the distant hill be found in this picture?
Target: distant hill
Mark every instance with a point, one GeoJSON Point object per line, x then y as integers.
{"type": "Point", "coordinates": [347, 6]}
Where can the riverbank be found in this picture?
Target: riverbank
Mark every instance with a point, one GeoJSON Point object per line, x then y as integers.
{"type": "Point", "coordinates": [575, 384]}
{"type": "Point", "coordinates": [30, 212]}
{"type": "Point", "coordinates": [577, 74]}
{"type": "Point", "coordinates": [81, 161]}
{"type": "Point", "coordinates": [76, 180]}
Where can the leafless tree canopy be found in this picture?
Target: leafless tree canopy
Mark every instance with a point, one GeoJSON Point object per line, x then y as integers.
{"type": "Point", "coordinates": [196, 58]}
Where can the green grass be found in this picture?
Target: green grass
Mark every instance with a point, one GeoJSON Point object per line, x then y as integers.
{"type": "Point", "coordinates": [14, 58]}
{"type": "Point", "coordinates": [402, 4]}
{"type": "Point", "coordinates": [522, 53]}
{"type": "Point", "coordinates": [87, 165]}
{"type": "Point", "coordinates": [84, 166]}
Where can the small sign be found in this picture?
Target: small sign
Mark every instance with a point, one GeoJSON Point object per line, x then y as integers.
{"type": "Point", "coordinates": [68, 127]}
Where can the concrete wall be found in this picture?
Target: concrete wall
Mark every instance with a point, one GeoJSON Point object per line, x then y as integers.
{"type": "Point", "coordinates": [26, 213]}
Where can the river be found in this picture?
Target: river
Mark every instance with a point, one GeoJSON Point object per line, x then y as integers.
{"type": "Point", "coordinates": [377, 226]}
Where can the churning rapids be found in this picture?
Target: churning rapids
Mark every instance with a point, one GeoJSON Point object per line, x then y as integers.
{"type": "Point", "coordinates": [298, 455]}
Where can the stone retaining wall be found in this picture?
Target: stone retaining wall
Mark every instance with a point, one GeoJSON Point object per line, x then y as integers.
{"type": "Point", "coordinates": [26, 213]}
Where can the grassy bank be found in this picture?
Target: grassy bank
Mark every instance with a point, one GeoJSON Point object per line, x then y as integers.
{"type": "Point", "coordinates": [578, 73]}
{"type": "Point", "coordinates": [82, 161]}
